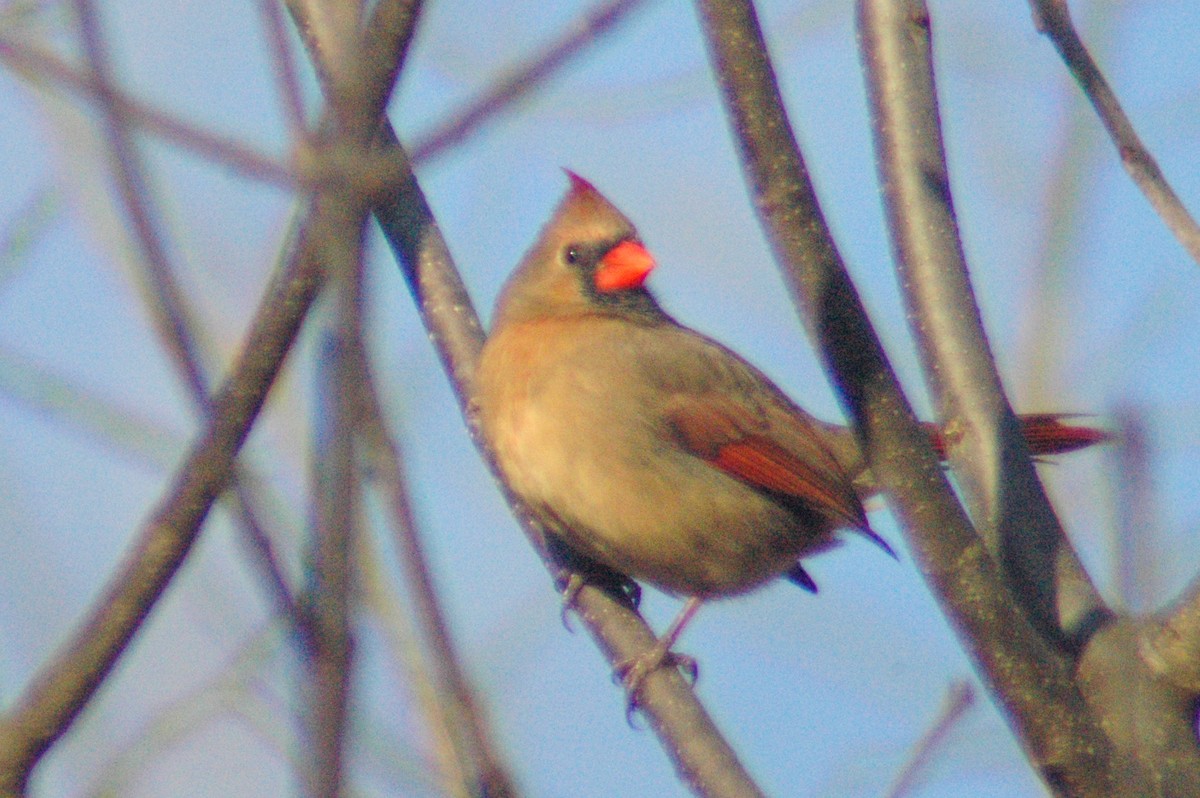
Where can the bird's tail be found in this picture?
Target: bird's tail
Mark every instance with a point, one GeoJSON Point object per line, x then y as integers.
{"type": "Point", "coordinates": [1045, 433]}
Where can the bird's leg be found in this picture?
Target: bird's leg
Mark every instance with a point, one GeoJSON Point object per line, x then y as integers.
{"type": "Point", "coordinates": [633, 671]}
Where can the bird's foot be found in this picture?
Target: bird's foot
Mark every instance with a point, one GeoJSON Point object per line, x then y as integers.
{"type": "Point", "coordinates": [632, 672]}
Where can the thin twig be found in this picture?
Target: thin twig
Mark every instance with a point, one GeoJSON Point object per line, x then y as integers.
{"type": "Point", "coordinates": [479, 765]}
{"type": "Point", "coordinates": [173, 318]}
{"type": "Point", "coordinates": [38, 65]}
{"type": "Point", "coordinates": [65, 684]}
{"type": "Point", "coordinates": [1053, 18]}
{"type": "Point", "coordinates": [1033, 681]}
{"type": "Point", "coordinates": [285, 68]}
{"type": "Point", "coordinates": [987, 449]}
{"type": "Point", "coordinates": [520, 80]}
{"type": "Point", "coordinates": [959, 698]}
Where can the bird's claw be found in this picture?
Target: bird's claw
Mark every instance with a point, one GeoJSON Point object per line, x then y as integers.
{"type": "Point", "coordinates": [632, 672]}
{"type": "Point", "coordinates": [570, 592]}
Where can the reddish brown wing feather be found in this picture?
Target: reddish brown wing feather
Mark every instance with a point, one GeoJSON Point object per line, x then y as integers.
{"type": "Point", "coordinates": [737, 441]}
{"type": "Point", "coordinates": [765, 464]}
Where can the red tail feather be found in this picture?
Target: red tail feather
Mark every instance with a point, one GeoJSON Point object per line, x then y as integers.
{"type": "Point", "coordinates": [1045, 433]}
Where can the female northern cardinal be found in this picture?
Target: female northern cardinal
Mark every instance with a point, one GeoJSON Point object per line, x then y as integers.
{"type": "Point", "coordinates": [651, 448]}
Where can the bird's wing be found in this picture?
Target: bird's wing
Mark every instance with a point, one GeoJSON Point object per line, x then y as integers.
{"type": "Point", "coordinates": [772, 451]}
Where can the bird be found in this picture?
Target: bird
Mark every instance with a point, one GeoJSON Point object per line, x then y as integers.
{"type": "Point", "coordinates": [652, 449]}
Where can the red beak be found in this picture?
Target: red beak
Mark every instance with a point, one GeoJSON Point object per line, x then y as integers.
{"type": "Point", "coordinates": [625, 266]}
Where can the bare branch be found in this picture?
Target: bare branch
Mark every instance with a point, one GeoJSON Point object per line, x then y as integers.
{"type": "Point", "coordinates": [703, 758]}
{"type": "Point", "coordinates": [1053, 18]}
{"type": "Point", "coordinates": [987, 449]}
{"type": "Point", "coordinates": [479, 763]}
{"type": "Point", "coordinates": [170, 313]}
{"type": "Point", "coordinates": [1171, 646]}
{"type": "Point", "coordinates": [522, 79]}
{"type": "Point", "coordinates": [37, 65]}
{"type": "Point", "coordinates": [1033, 682]}
{"type": "Point", "coordinates": [330, 663]}
{"type": "Point", "coordinates": [61, 690]}
{"type": "Point", "coordinates": [959, 698]}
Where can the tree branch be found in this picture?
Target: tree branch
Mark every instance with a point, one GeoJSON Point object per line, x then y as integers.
{"type": "Point", "coordinates": [38, 65]}
{"type": "Point", "coordinates": [986, 447]}
{"type": "Point", "coordinates": [1032, 681]}
{"type": "Point", "coordinates": [480, 766]}
{"type": "Point", "coordinates": [520, 80]}
{"type": "Point", "coordinates": [336, 492]}
{"type": "Point", "coordinates": [170, 313]}
{"type": "Point", "coordinates": [63, 687]}
{"type": "Point", "coordinates": [1053, 18]}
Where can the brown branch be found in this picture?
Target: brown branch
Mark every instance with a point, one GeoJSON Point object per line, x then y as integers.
{"type": "Point", "coordinates": [1053, 18]}
{"type": "Point", "coordinates": [170, 313]}
{"type": "Point", "coordinates": [987, 449]}
{"type": "Point", "coordinates": [60, 691]}
{"type": "Point", "coordinates": [1171, 644]}
{"type": "Point", "coordinates": [1033, 682]}
{"type": "Point", "coordinates": [330, 663]}
{"type": "Point", "coordinates": [67, 682]}
{"type": "Point", "coordinates": [519, 81]}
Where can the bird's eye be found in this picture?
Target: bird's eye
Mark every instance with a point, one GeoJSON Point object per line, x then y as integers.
{"type": "Point", "coordinates": [571, 255]}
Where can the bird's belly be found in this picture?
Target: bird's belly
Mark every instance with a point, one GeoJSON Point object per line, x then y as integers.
{"type": "Point", "coordinates": [698, 532]}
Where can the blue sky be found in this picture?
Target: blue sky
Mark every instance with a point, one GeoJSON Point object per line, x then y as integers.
{"type": "Point", "coordinates": [1090, 304]}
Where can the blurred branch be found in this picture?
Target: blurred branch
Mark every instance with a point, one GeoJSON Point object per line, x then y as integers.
{"type": "Point", "coordinates": [1032, 681]}
{"type": "Point", "coordinates": [29, 224]}
{"type": "Point", "coordinates": [959, 698]}
{"type": "Point", "coordinates": [1137, 518]}
{"type": "Point", "coordinates": [27, 380]}
{"type": "Point", "coordinates": [1053, 18]}
{"type": "Point", "coordinates": [329, 598]}
{"type": "Point", "coordinates": [285, 67]}
{"type": "Point", "coordinates": [519, 81]}
{"type": "Point", "coordinates": [986, 447]}
{"type": "Point", "coordinates": [173, 319]}
{"type": "Point", "coordinates": [479, 766]}
{"type": "Point", "coordinates": [37, 65]}
{"type": "Point", "coordinates": [60, 691]}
